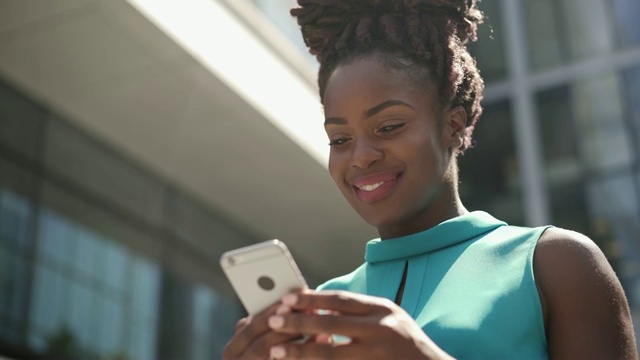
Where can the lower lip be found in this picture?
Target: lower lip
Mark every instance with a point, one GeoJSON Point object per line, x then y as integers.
{"type": "Point", "coordinates": [378, 194]}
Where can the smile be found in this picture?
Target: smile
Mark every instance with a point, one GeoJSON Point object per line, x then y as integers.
{"type": "Point", "coordinates": [370, 187]}
{"type": "Point", "coordinates": [375, 187]}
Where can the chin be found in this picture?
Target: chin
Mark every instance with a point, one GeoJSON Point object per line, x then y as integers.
{"type": "Point", "coordinates": [379, 220]}
{"type": "Point", "coordinates": [379, 214]}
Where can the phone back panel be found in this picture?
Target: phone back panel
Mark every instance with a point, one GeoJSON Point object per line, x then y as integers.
{"type": "Point", "coordinates": [261, 274]}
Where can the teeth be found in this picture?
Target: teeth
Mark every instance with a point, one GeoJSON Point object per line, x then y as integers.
{"type": "Point", "coordinates": [370, 187]}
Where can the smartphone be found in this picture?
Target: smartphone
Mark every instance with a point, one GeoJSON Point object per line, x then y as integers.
{"type": "Point", "coordinates": [261, 274]}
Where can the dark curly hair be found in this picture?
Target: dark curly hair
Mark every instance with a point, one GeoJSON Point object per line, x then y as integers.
{"type": "Point", "coordinates": [426, 39]}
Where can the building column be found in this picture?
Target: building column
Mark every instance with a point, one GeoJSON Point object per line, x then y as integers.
{"type": "Point", "coordinates": [528, 141]}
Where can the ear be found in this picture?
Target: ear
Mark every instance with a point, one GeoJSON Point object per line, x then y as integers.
{"type": "Point", "coordinates": [455, 124]}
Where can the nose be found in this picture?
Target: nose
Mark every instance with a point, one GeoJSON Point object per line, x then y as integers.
{"type": "Point", "coordinates": [365, 153]}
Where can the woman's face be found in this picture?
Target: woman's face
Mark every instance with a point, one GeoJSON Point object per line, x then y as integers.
{"type": "Point", "coordinates": [391, 146]}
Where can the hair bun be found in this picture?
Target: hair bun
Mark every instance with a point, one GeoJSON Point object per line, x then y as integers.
{"type": "Point", "coordinates": [323, 22]}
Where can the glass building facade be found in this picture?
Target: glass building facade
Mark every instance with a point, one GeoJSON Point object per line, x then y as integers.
{"type": "Point", "coordinates": [97, 255]}
{"type": "Point", "coordinates": [101, 258]}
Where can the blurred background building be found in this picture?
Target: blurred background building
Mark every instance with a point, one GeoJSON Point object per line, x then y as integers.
{"type": "Point", "coordinates": [139, 139]}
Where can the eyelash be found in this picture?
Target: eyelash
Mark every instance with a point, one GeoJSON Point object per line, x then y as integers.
{"type": "Point", "coordinates": [338, 142]}
{"type": "Point", "coordinates": [390, 128]}
{"type": "Point", "coordinates": [384, 130]}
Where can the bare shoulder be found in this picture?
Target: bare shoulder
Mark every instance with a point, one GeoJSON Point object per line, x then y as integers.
{"type": "Point", "coordinates": [559, 237]}
{"type": "Point", "coordinates": [586, 311]}
{"type": "Point", "coordinates": [569, 250]}
{"type": "Point", "coordinates": [567, 263]}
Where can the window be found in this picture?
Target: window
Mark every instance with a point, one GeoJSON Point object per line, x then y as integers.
{"type": "Point", "coordinates": [632, 91]}
{"type": "Point", "coordinates": [89, 288]}
{"type": "Point", "coordinates": [562, 31]}
{"type": "Point", "coordinates": [615, 213]}
{"type": "Point", "coordinates": [46, 307]}
{"type": "Point", "coordinates": [17, 213]}
{"type": "Point", "coordinates": [489, 173]}
{"type": "Point", "coordinates": [204, 301]}
{"type": "Point", "coordinates": [588, 156]}
{"type": "Point", "coordinates": [560, 148]}
{"type": "Point", "coordinates": [144, 289]}
{"type": "Point", "coordinates": [214, 321]}
{"type": "Point", "coordinates": [56, 244]}
{"type": "Point", "coordinates": [604, 141]}
{"type": "Point", "coordinates": [563, 169]}
{"type": "Point", "coordinates": [110, 326]}
{"type": "Point", "coordinates": [225, 315]}
{"type": "Point", "coordinates": [196, 321]}
{"type": "Point", "coordinates": [13, 284]}
{"type": "Point", "coordinates": [489, 50]}
{"type": "Point", "coordinates": [625, 19]}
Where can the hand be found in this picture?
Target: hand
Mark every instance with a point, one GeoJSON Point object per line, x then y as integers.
{"type": "Point", "coordinates": [378, 328]}
{"type": "Point", "coordinates": [253, 338]}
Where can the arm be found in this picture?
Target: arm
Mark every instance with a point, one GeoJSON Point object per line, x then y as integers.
{"type": "Point", "coordinates": [585, 309]}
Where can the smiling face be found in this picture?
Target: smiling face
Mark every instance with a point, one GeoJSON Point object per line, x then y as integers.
{"type": "Point", "coordinates": [391, 147]}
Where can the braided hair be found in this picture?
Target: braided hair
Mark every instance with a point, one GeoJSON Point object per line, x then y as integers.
{"type": "Point", "coordinates": [426, 39]}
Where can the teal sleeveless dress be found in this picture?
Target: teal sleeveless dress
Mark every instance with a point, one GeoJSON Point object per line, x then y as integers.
{"type": "Point", "coordinates": [470, 285]}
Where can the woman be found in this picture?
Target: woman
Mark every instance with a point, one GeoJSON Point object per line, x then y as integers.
{"type": "Point", "coordinates": [401, 96]}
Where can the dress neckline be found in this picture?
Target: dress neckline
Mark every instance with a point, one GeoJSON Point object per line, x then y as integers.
{"type": "Point", "coordinates": [445, 234]}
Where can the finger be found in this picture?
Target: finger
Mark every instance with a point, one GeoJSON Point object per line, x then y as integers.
{"type": "Point", "coordinates": [316, 351]}
{"type": "Point", "coordinates": [341, 301]}
{"type": "Point", "coordinates": [297, 323]}
{"type": "Point", "coordinates": [324, 338]}
{"type": "Point", "coordinates": [283, 309]}
{"type": "Point", "coordinates": [248, 330]}
{"type": "Point", "coordinates": [242, 323]}
{"type": "Point", "coordinates": [260, 347]}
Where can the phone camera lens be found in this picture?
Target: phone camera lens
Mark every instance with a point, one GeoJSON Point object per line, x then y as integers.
{"type": "Point", "coordinates": [266, 283]}
{"type": "Point", "coordinates": [231, 261]}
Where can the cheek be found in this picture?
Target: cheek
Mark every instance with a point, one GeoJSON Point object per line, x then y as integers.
{"type": "Point", "coordinates": [427, 156]}
{"type": "Point", "coordinates": [335, 168]}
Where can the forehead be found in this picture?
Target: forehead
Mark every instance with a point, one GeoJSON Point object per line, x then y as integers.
{"type": "Point", "coordinates": [367, 81]}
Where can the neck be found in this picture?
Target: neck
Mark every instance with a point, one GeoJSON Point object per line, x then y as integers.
{"type": "Point", "coordinates": [446, 204]}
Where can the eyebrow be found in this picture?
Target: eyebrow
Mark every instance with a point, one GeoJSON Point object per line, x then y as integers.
{"type": "Point", "coordinates": [368, 113]}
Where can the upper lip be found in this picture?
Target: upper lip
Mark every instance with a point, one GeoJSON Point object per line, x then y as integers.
{"type": "Point", "coordinates": [374, 178]}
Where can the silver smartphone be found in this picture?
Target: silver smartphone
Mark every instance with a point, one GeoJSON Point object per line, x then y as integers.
{"type": "Point", "coordinates": [261, 274]}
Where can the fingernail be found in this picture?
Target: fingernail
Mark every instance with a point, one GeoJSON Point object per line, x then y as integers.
{"type": "Point", "coordinates": [277, 352]}
{"type": "Point", "coordinates": [283, 309]}
{"type": "Point", "coordinates": [290, 299]}
{"type": "Point", "coordinates": [276, 322]}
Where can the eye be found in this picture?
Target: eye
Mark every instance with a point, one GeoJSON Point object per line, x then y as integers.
{"type": "Point", "coordinates": [338, 142]}
{"type": "Point", "coordinates": [390, 128]}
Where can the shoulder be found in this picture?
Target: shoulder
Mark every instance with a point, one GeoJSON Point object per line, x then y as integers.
{"type": "Point", "coordinates": [570, 250]}
{"type": "Point", "coordinates": [568, 258]}
{"type": "Point", "coordinates": [586, 311]}
{"type": "Point", "coordinates": [559, 238]}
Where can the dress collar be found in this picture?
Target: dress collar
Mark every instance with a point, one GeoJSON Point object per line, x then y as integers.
{"type": "Point", "coordinates": [447, 233]}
